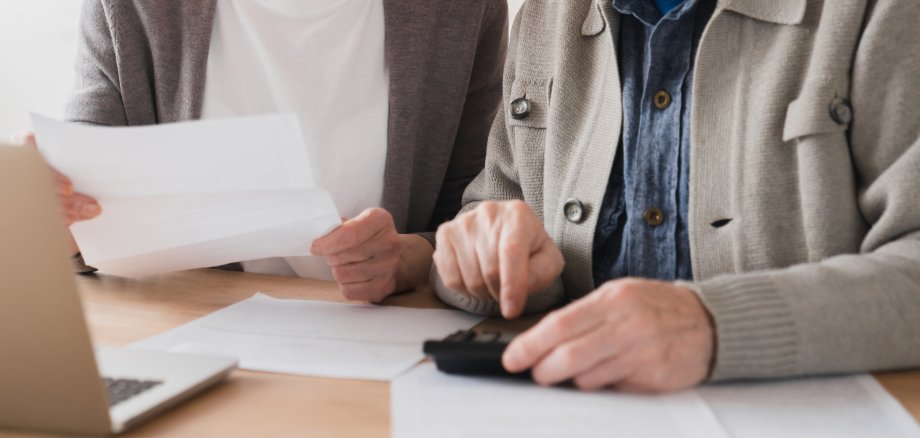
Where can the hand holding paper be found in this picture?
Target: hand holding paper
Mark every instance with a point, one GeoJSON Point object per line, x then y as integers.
{"type": "Point", "coordinates": [190, 195]}
{"type": "Point", "coordinates": [74, 206]}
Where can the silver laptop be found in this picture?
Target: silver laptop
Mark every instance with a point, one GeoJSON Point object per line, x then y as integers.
{"type": "Point", "coordinates": [50, 377]}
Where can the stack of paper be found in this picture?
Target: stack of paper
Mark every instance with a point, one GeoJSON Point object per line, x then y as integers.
{"type": "Point", "coordinates": [426, 403]}
{"type": "Point", "coordinates": [315, 338]}
{"type": "Point", "coordinates": [190, 195]}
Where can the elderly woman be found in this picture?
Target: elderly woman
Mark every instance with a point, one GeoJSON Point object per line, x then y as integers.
{"type": "Point", "coordinates": [409, 86]}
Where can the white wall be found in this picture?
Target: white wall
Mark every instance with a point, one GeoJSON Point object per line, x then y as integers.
{"type": "Point", "coordinates": [513, 6]}
{"type": "Point", "coordinates": [37, 47]}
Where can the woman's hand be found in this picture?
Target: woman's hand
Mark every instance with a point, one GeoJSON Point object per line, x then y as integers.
{"type": "Point", "coordinates": [370, 260]}
{"type": "Point", "coordinates": [75, 207]}
{"type": "Point", "coordinates": [499, 251]}
{"type": "Point", "coordinates": [634, 335]}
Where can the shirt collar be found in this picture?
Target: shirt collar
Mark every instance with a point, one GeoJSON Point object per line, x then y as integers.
{"type": "Point", "coordinates": [648, 13]}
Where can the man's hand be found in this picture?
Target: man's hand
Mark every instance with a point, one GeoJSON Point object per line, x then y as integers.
{"type": "Point", "coordinates": [634, 335]}
{"type": "Point", "coordinates": [75, 207]}
{"type": "Point", "coordinates": [370, 260]}
{"type": "Point", "coordinates": [500, 251]}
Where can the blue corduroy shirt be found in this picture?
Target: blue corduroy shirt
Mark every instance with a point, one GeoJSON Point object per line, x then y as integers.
{"type": "Point", "coordinates": [642, 228]}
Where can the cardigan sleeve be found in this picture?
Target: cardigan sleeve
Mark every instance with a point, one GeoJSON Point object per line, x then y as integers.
{"type": "Point", "coordinates": [96, 96]}
{"type": "Point", "coordinates": [854, 312]}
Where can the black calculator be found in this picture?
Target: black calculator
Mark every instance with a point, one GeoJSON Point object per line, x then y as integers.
{"type": "Point", "coordinates": [471, 352]}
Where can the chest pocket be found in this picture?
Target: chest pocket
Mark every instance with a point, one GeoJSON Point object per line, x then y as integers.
{"type": "Point", "coordinates": [820, 109]}
{"type": "Point", "coordinates": [528, 104]}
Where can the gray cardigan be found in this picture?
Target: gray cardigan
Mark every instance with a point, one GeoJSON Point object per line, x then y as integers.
{"type": "Point", "coordinates": [144, 62]}
{"type": "Point", "coordinates": [805, 172]}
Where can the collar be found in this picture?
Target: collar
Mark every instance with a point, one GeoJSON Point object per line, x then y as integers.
{"type": "Point", "coordinates": [595, 23]}
{"type": "Point", "coordinates": [790, 12]}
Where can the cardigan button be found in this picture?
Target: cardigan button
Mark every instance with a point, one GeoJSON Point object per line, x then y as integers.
{"type": "Point", "coordinates": [574, 211]}
{"type": "Point", "coordinates": [841, 111]}
{"type": "Point", "coordinates": [520, 108]}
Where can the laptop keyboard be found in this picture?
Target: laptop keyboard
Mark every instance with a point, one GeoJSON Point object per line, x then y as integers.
{"type": "Point", "coordinates": [122, 389]}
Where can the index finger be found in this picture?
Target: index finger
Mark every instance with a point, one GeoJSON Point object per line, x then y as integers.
{"type": "Point", "coordinates": [352, 233]}
{"type": "Point", "coordinates": [513, 258]}
{"type": "Point", "coordinates": [558, 327]}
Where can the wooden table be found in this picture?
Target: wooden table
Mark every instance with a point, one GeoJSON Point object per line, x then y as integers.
{"type": "Point", "coordinates": [121, 311]}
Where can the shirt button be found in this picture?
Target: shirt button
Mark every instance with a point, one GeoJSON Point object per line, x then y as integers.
{"type": "Point", "coordinates": [653, 216]}
{"type": "Point", "coordinates": [841, 111]}
{"type": "Point", "coordinates": [662, 100]}
{"type": "Point", "coordinates": [520, 108]}
{"type": "Point", "coordinates": [574, 211]}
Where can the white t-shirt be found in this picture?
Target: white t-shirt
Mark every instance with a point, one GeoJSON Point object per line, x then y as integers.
{"type": "Point", "coordinates": [320, 59]}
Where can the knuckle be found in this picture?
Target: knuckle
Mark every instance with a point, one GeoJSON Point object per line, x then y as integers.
{"type": "Point", "coordinates": [491, 273]}
{"type": "Point", "coordinates": [569, 357]}
{"type": "Point", "coordinates": [440, 236]}
{"type": "Point", "coordinates": [560, 322]}
{"type": "Point", "coordinates": [488, 209]}
{"type": "Point", "coordinates": [469, 224]}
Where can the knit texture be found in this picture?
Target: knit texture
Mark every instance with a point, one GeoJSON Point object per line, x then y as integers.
{"type": "Point", "coordinates": [804, 230]}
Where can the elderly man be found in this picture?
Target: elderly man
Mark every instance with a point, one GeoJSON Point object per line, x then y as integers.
{"type": "Point", "coordinates": [729, 189]}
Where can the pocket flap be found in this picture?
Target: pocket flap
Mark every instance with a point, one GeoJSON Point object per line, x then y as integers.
{"type": "Point", "coordinates": [811, 113]}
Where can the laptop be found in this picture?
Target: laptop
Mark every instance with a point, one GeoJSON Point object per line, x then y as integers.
{"type": "Point", "coordinates": [51, 379]}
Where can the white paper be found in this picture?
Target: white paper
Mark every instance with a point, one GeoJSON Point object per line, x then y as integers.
{"type": "Point", "coordinates": [315, 338]}
{"type": "Point", "coordinates": [838, 407]}
{"type": "Point", "coordinates": [192, 194]}
{"type": "Point", "coordinates": [427, 403]}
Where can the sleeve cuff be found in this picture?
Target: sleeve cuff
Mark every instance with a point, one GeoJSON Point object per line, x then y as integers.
{"type": "Point", "coordinates": [756, 333]}
{"type": "Point", "coordinates": [537, 302]}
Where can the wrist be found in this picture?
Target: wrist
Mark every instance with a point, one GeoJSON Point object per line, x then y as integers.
{"type": "Point", "coordinates": [415, 258]}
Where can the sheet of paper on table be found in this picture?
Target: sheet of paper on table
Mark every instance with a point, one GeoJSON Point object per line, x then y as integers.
{"type": "Point", "coordinates": [839, 407]}
{"type": "Point", "coordinates": [427, 403]}
{"type": "Point", "coordinates": [191, 194]}
{"type": "Point", "coordinates": [315, 338]}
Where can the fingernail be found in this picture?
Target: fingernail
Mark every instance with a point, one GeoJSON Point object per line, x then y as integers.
{"type": "Point", "coordinates": [511, 359]}
{"type": "Point", "coordinates": [66, 189]}
{"type": "Point", "coordinates": [90, 210]}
